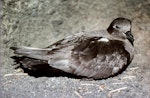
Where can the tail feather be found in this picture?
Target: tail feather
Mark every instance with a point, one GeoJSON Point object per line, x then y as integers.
{"type": "Point", "coordinates": [36, 53]}
{"type": "Point", "coordinates": [30, 63]}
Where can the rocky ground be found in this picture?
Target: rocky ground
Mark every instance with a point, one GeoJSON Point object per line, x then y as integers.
{"type": "Point", "coordinates": [39, 23]}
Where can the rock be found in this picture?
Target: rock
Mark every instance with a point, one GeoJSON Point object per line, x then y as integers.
{"type": "Point", "coordinates": [33, 4]}
{"type": "Point", "coordinates": [57, 22]}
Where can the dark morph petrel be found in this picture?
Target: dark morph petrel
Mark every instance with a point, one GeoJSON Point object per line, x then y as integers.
{"type": "Point", "coordinates": [96, 54]}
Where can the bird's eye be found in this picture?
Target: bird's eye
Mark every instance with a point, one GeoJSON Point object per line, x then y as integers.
{"type": "Point", "coordinates": [117, 27]}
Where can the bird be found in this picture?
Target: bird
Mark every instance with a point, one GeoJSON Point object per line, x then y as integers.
{"type": "Point", "coordinates": [94, 54]}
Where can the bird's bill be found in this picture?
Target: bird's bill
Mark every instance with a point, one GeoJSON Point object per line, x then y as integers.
{"type": "Point", "coordinates": [130, 37]}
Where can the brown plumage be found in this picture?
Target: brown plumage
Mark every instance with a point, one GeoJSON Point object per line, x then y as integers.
{"type": "Point", "coordinates": [96, 54]}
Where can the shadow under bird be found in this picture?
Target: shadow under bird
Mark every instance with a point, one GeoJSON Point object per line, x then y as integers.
{"type": "Point", "coordinates": [96, 54]}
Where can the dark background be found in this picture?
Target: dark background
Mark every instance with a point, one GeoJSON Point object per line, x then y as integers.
{"type": "Point", "coordinates": [39, 23]}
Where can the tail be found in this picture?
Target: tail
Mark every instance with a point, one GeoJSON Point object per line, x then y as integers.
{"type": "Point", "coordinates": [30, 63]}
{"type": "Point", "coordinates": [31, 58]}
{"type": "Point", "coordinates": [36, 53]}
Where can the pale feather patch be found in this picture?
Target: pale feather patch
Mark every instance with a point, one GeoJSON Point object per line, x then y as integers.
{"type": "Point", "coordinates": [103, 40]}
{"type": "Point", "coordinates": [64, 62]}
{"type": "Point", "coordinates": [60, 64]}
{"type": "Point", "coordinates": [92, 41]}
{"type": "Point", "coordinates": [32, 48]}
{"type": "Point", "coordinates": [115, 70]}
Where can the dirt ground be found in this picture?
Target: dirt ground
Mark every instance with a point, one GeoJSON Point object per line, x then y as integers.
{"type": "Point", "coordinates": [39, 23]}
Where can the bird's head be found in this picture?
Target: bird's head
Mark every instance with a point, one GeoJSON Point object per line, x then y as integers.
{"type": "Point", "coordinates": [121, 28]}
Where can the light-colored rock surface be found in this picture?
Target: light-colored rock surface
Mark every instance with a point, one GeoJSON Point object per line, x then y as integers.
{"type": "Point", "coordinates": [39, 23]}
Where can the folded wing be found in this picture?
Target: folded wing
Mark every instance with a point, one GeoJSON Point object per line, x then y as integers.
{"type": "Point", "coordinates": [95, 57]}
